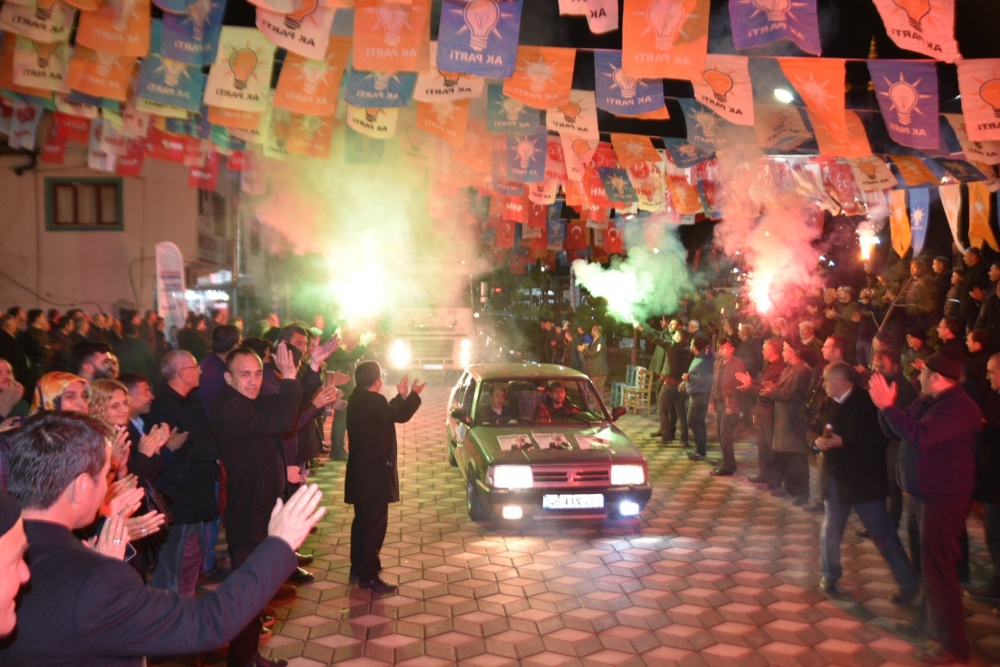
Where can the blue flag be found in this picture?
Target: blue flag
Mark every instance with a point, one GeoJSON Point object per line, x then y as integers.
{"type": "Point", "coordinates": [380, 90]}
{"type": "Point", "coordinates": [505, 114]}
{"type": "Point", "coordinates": [617, 185]}
{"type": "Point", "coordinates": [908, 96]}
{"type": "Point", "coordinates": [479, 37]}
{"type": "Point", "coordinates": [193, 37]}
{"type": "Point", "coordinates": [166, 81]}
{"type": "Point", "coordinates": [621, 94]}
{"type": "Point", "coordinates": [685, 154]}
{"type": "Point", "coordinates": [526, 156]}
{"type": "Point", "coordinates": [707, 130]}
{"type": "Point", "coordinates": [919, 213]}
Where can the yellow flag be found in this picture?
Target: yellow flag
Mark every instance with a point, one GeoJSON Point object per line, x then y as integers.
{"type": "Point", "coordinates": [979, 217]}
{"type": "Point", "coordinates": [899, 222]}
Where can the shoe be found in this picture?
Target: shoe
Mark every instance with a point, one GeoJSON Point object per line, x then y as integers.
{"type": "Point", "coordinates": [301, 576]}
{"type": "Point", "coordinates": [378, 586]}
{"type": "Point", "coordinates": [686, 444]}
{"type": "Point", "coordinates": [339, 456]}
{"type": "Point", "coordinates": [942, 656]}
{"type": "Point", "coordinates": [286, 591]}
{"type": "Point", "coordinates": [829, 586]}
{"type": "Point", "coordinates": [304, 559]}
{"type": "Point", "coordinates": [901, 597]}
{"type": "Point", "coordinates": [863, 534]}
{"type": "Point", "coordinates": [758, 480]}
{"type": "Point", "coordinates": [780, 493]}
{"type": "Point", "coordinates": [817, 507]}
{"type": "Point", "coordinates": [267, 621]}
{"type": "Point", "coordinates": [800, 501]}
{"type": "Point", "coordinates": [353, 575]}
{"type": "Point", "coordinates": [914, 630]}
{"type": "Point", "coordinates": [657, 434]}
{"type": "Point", "coordinates": [265, 634]}
{"type": "Point", "coordinates": [692, 456]}
{"type": "Point", "coordinates": [984, 594]}
{"type": "Point", "coordinates": [721, 472]}
{"type": "Point", "coordinates": [261, 661]}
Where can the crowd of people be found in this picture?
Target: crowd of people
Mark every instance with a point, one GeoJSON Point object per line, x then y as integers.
{"type": "Point", "coordinates": [896, 393]}
{"type": "Point", "coordinates": [115, 443]}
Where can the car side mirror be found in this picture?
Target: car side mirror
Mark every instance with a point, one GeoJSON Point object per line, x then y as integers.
{"type": "Point", "coordinates": [617, 412]}
{"type": "Point", "coordinates": [461, 415]}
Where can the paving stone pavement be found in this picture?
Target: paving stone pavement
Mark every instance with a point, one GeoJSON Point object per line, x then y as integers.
{"type": "Point", "coordinates": [714, 572]}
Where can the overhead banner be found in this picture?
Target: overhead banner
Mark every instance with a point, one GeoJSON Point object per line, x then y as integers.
{"type": "Point", "coordinates": [380, 89]}
{"type": "Point", "coordinates": [707, 130]}
{"type": "Point", "coordinates": [924, 26]}
{"type": "Point", "coordinates": [388, 35]}
{"type": "Point", "coordinates": [758, 23]}
{"type": "Point", "coordinates": [780, 126]}
{"type": "Point", "coordinates": [665, 39]}
{"type": "Point", "coordinates": [39, 65]}
{"type": "Point", "coordinates": [47, 26]}
{"type": "Point", "coordinates": [505, 114]}
{"type": "Point", "coordinates": [119, 28]}
{"type": "Point", "coordinates": [979, 83]}
{"type": "Point", "coordinates": [621, 94]}
{"type": "Point", "coordinates": [373, 122]}
{"type": "Point", "coordinates": [980, 151]}
{"type": "Point", "coordinates": [951, 200]}
{"type": "Point", "coordinates": [908, 96]}
{"type": "Point", "coordinates": [543, 76]}
{"type": "Point", "coordinates": [100, 74]}
{"type": "Point", "coordinates": [919, 214]}
{"type": "Point", "coordinates": [914, 172]}
{"type": "Point", "coordinates": [479, 37]}
{"type": "Point", "coordinates": [240, 77]}
{"type": "Point", "coordinates": [576, 117]}
{"type": "Point", "coordinates": [633, 149]}
{"type": "Point", "coordinates": [433, 84]}
{"type": "Point", "coordinates": [310, 86]}
{"type": "Point", "coordinates": [853, 144]}
{"type": "Point", "coordinates": [899, 223]}
{"type": "Point", "coordinates": [445, 119]}
{"type": "Point", "coordinates": [724, 87]}
{"type": "Point", "coordinates": [685, 155]}
{"type": "Point", "coordinates": [820, 84]}
{"type": "Point", "coordinates": [193, 36]}
{"type": "Point", "coordinates": [170, 300]}
{"type": "Point", "coordinates": [872, 173]}
{"type": "Point", "coordinates": [602, 16]}
{"type": "Point", "coordinates": [979, 217]}
{"type": "Point", "coordinates": [526, 155]}
{"type": "Point", "coordinates": [304, 32]}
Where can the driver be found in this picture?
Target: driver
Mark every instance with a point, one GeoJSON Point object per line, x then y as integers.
{"type": "Point", "coordinates": [497, 407]}
{"type": "Point", "coordinates": [555, 405]}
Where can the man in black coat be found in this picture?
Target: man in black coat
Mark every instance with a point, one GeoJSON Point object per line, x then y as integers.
{"type": "Point", "coordinates": [887, 364]}
{"type": "Point", "coordinates": [988, 480]}
{"type": "Point", "coordinates": [249, 427]}
{"type": "Point", "coordinates": [86, 607]}
{"type": "Point", "coordinates": [11, 350]}
{"type": "Point", "coordinates": [189, 479]}
{"type": "Point", "coordinates": [854, 446]}
{"type": "Point", "coordinates": [372, 479]}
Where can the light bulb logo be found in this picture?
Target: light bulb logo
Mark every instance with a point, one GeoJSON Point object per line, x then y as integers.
{"type": "Point", "coordinates": [451, 79]}
{"type": "Point", "coordinates": [990, 93]}
{"type": "Point", "coordinates": [570, 111]}
{"type": "Point", "coordinates": [538, 74]}
{"type": "Point", "coordinates": [580, 148]}
{"type": "Point", "coordinates": [618, 185]}
{"type": "Point", "coordinates": [626, 84]}
{"type": "Point", "coordinates": [392, 17]}
{"type": "Point", "coordinates": [105, 61]}
{"type": "Point", "coordinates": [904, 98]}
{"type": "Point", "coordinates": [707, 121]}
{"type": "Point", "coordinates": [43, 53]}
{"type": "Point", "coordinates": [122, 10]}
{"type": "Point", "coordinates": [371, 115]}
{"type": "Point", "coordinates": [43, 9]}
{"type": "Point", "coordinates": [776, 120]}
{"type": "Point", "coordinates": [242, 63]}
{"type": "Point", "coordinates": [443, 111]}
{"type": "Point", "coordinates": [173, 70]}
{"type": "Point", "coordinates": [720, 83]}
{"type": "Point", "coordinates": [280, 128]}
{"type": "Point", "coordinates": [915, 10]}
{"type": "Point", "coordinates": [198, 12]}
{"type": "Point", "coordinates": [293, 20]}
{"type": "Point", "coordinates": [867, 168]}
{"type": "Point", "coordinates": [382, 79]}
{"type": "Point", "coordinates": [313, 72]}
{"type": "Point", "coordinates": [415, 136]}
{"type": "Point", "coordinates": [776, 10]}
{"type": "Point", "coordinates": [512, 108]}
{"type": "Point", "coordinates": [526, 152]}
{"type": "Point", "coordinates": [472, 142]}
{"type": "Point", "coordinates": [312, 126]}
{"type": "Point", "coordinates": [665, 17]}
{"type": "Point", "coordinates": [481, 18]}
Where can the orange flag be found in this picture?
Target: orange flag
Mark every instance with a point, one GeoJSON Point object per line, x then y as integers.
{"type": "Point", "coordinates": [899, 222]}
{"type": "Point", "coordinates": [477, 152]}
{"type": "Point", "coordinates": [543, 76]}
{"type": "Point", "coordinates": [120, 28]}
{"type": "Point", "coordinates": [724, 87]}
{"type": "Point", "coordinates": [979, 83]}
{"type": "Point", "coordinates": [444, 119]}
{"type": "Point", "coordinates": [820, 84]}
{"type": "Point", "coordinates": [633, 149]}
{"type": "Point", "coordinates": [388, 35]}
{"type": "Point", "coordinates": [100, 74]}
{"type": "Point", "coordinates": [310, 135]}
{"type": "Point", "coordinates": [913, 171]}
{"type": "Point", "coordinates": [7, 69]}
{"type": "Point", "coordinates": [310, 86]}
{"type": "Point", "coordinates": [234, 119]}
{"type": "Point", "coordinates": [665, 39]}
{"type": "Point", "coordinates": [979, 217]}
{"type": "Point", "coordinates": [854, 144]}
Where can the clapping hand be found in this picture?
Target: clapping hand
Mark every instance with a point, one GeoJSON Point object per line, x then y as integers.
{"type": "Point", "coordinates": [151, 443]}
{"type": "Point", "coordinates": [418, 386]}
{"type": "Point", "coordinates": [176, 440]}
{"type": "Point", "coordinates": [120, 448]}
{"type": "Point", "coordinates": [293, 520]}
{"type": "Point", "coordinates": [340, 379]}
{"type": "Point", "coordinates": [318, 353]}
{"type": "Point", "coordinates": [325, 396]}
{"type": "Point", "coordinates": [284, 362]}
{"type": "Point", "coordinates": [404, 386]}
{"type": "Point", "coordinates": [9, 396]}
{"type": "Point", "coordinates": [145, 525]}
{"type": "Point", "coordinates": [125, 503]}
{"type": "Point", "coordinates": [112, 540]}
{"type": "Point", "coordinates": [744, 379]}
{"type": "Point", "coordinates": [882, 393]}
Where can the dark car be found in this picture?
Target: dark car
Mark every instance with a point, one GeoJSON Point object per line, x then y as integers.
{"type": "Point", "coordinates": [536, 440]}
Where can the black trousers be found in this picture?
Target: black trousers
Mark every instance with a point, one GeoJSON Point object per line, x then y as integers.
{"type": "Point", "coordinates": [367, 535]}
{"type": "Point", "coordinates": [935, 532]}
{"type": "Point", "coordinates": [793, 470]}
{"type": "Point", "coordinates": [243, 647]}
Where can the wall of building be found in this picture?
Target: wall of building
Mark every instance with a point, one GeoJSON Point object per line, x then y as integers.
{"type": "Point", "coordinates": [91, 269]}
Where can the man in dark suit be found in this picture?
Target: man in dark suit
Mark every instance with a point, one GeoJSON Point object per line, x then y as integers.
{"type": "Point", "coordinates": [597, 358]}
{"type": "Point", "coordinates": [13, 548]}
{"type": "Point", "coordinates": [855, 449]}
{"type": "Point", "coordinates": [249, 427]}
{"type": "Point", "coordinates": [726, 403]}
{"type": "Point", "coordinates": [87, 607]}
{"type": "Point", "coordinates": [372, 480]}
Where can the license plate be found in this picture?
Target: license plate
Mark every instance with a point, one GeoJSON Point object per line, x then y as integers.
{"type": "Point", "coordinates": [573, 501]}
{"type": "Point", "coordinates": [432, 367]}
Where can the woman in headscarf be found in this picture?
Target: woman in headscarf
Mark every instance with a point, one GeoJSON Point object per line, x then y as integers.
{"type": "Point", "coordinates": [61, 391]}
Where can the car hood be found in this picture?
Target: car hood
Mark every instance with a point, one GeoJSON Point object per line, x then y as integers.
{"type": "Point", "coordinates": [600, 443]}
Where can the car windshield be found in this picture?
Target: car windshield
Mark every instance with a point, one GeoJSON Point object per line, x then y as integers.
{"type": "Point", "coordinates": [539, 401]}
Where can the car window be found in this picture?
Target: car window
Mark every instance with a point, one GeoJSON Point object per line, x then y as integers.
{"type": "Point", "coordinates": [541, 401]}
{"type": "Point", "coordinates": [470, 394]}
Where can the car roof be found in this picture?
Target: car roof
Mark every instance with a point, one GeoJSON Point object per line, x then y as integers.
{"type": "Point", "coordinates": [526, 371]}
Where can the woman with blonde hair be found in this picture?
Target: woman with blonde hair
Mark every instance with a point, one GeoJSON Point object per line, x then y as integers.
{"type": "Point", "coordinates": [109, 401]}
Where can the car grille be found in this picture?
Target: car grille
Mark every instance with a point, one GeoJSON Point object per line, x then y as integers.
{"type": "Point", "coordinates": [427, 349]}
{"type": "Point", "coordinates": [569, 476]}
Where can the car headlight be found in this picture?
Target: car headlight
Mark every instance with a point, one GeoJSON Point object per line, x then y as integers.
{"type": "Point", "coordinates": [627, 474]}
{"type": "Point", "coordinates": [399, 354]}
{"type": "Point", "coordinates": [512, 477]}
{"type": "Point", "coordinates": [466, 344]}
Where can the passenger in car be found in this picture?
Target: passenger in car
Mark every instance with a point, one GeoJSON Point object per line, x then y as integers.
{"type": "Point", "coordinates": [497, 408]}
{"type": "Point", "coordinates": [555, 405]}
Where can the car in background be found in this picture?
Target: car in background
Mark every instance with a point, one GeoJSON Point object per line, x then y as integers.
{"type": "Point", "coordinates": [526, 452]}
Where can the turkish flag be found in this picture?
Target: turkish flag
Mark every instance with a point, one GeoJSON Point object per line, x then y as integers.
{"type": "Point", "coordinates": [613, 242]}
{"type": "Point", "coordinates": [505, 234]}
{"type": "Point", "coordinates": [576, 236]}
{"type": "Point", "coordinates": [538, 215]}
{"type": "Point", "coordinates": [235, 161]}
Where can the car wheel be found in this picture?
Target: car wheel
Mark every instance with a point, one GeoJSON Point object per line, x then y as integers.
{"type": "Point", "coordinates": [451, 454]}
{"type": "Point", "coordinates": [478, 511]}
